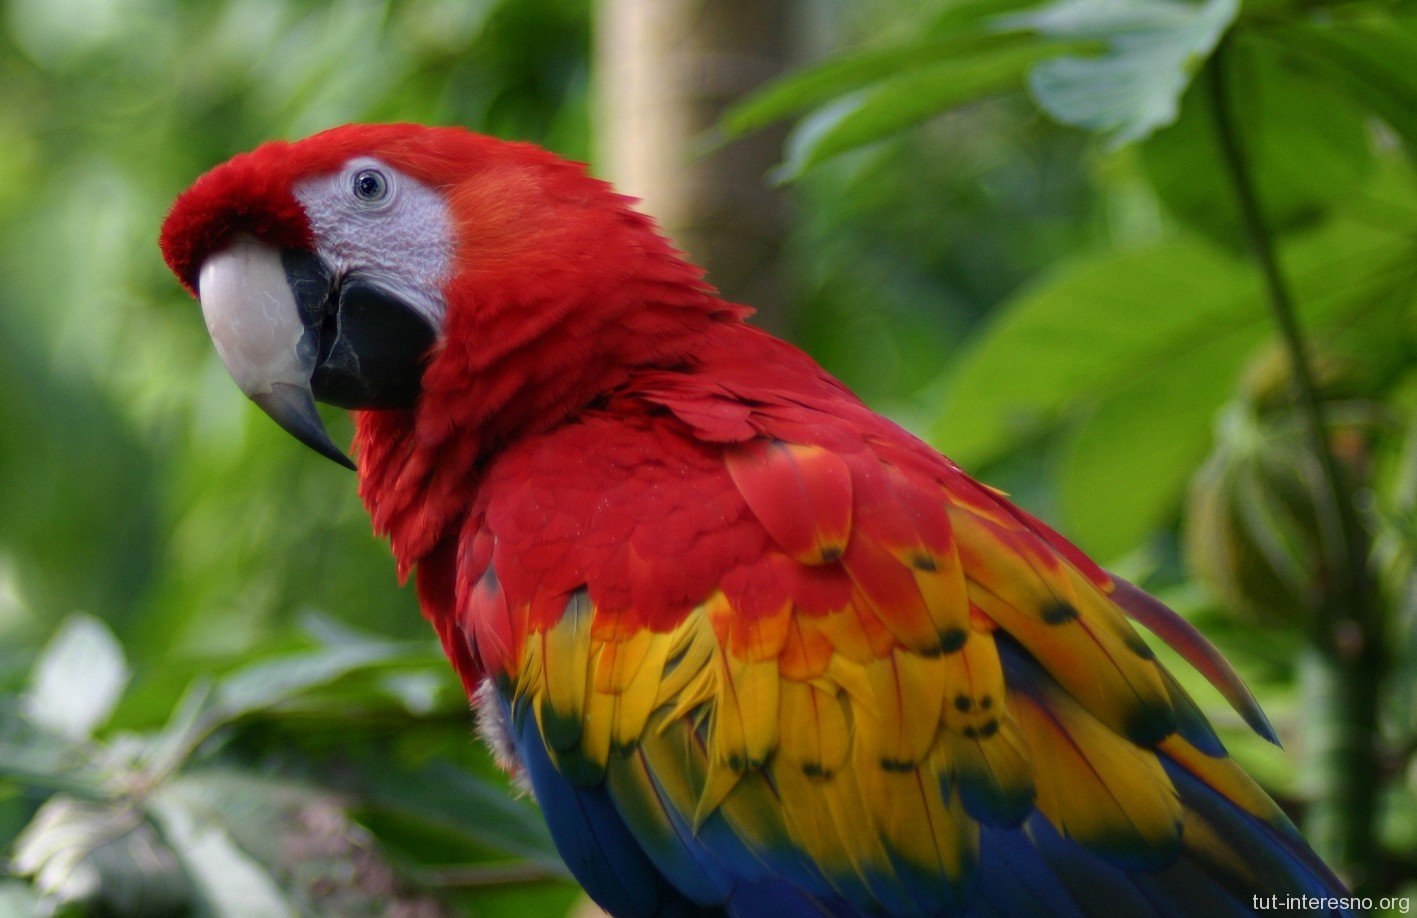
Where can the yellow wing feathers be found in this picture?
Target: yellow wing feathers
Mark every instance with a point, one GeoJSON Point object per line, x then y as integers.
{"type": "Point", "coordinates": [874, 738]}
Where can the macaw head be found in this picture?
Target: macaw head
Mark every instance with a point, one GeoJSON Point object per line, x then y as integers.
{"type": "Point", "coordinates": [369, 265]}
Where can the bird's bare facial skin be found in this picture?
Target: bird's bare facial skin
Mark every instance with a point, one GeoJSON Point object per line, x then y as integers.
{"type": "Point", "coordinates": [393, 231]}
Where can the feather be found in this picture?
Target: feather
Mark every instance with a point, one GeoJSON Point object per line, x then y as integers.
{"type": "Point", "coordinates": [1182, 637]}
{"type": "Point", "coordinates": [896, 729]}
{"type": "Point", "coordinates": [1099, 789]}
{"type": "Point", "coordinates": [887, 591]}
{"type": "Point", "coordinates": [1028, 595]}
{"type": "Point", "coordinates": [591, 835]}
{"type": "Point", "coordinates": [498, 628]}
{"type": "Point", "coordinates": [558, 656]}
{"type": "Point", "coordinates": [662, 832]}
{"type": "Point", "coordinates": [829, 820]}
{"type": "Point", "coordinates": [801, 495]}
{"type": "Point", "coordinates": [993, 771]}
{"type": "Point", "coordinates": [892, 517]}
{"type": "Point", "coordinates": [814, 729]}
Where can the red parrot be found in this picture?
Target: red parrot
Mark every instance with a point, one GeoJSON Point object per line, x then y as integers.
{"type": "Point", "coordinates": [753, 647]}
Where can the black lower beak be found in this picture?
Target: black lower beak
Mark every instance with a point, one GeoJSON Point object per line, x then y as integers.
{"type": "Point", "coordinates": [293, 408]}
{"type": "Point", "coordinates": [372, 349]}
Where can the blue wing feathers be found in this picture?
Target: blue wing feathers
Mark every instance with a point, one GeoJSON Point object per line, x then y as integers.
{"type": "Point", "coordinates": [592, 837]}
{"type": "Point", "coordinates": [779, 899]}
{"type": "Point", "coordinates": [1278, 859]}
{"type": "Point", "coordinates": [694, 868]}
{"type": "Point", "coordinates": [1013, 878]}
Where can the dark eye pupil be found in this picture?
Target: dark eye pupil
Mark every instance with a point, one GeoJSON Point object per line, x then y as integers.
{"type": "Point", "coordinates": [370, 185]}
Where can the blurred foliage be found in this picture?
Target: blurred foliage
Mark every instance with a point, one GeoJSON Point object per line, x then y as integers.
{"type": "Point", "coordinates": [1013, 233]}
{"type": "Point", "coordinates": [198, 739]}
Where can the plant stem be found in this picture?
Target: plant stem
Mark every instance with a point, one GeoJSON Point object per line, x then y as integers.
{"type": "Point", "coordinates": [479, 876]}
{"type": "Point", "coordinates": [1348, 626]}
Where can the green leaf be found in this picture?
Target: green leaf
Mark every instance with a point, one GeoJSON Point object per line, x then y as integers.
{"type": "Point", "coordinates": [1129, 460]}
{"type": "Point", "coordinates": [18, 898]}
{"type": "Point", "coordinates": [227, 879]}
{"type": "Point", "coordinates": [1371, 61]}
{"type": "Point", "coordinates": [300, 836]}
{"type": "Point", "coordinates": [268, 682]}
{"type": "Point", "coordinates": [963, 28]}
{"type": "Point", "coordinates": [848, 73]}
{"type": "Point", "coordinates": [190, 721]}
{"type": "Point", "coordinates": [1097, 323]}
{"type": "Point", "coordinates": [205, 706]}
{"type": "Point", "coordinates": [1102, 321]}
{"type": "Point", "coordinates": [39, 758]}
{"type": "Point", "coordinates": [1139, 350]}
{"type": "Point", "coordinates": [1306, 144]}
{"type": "Point", "coordinates": [1130, 456]}
{"type": "Point", "coordinates": [418, 692]}
{"type": "Point", "coordinates": [104, 856]}
{"type": "Point", "coordinates": [1153, 47]}
{"type": "Point", "coordinates": [78, 678]}
{"type": "Point", "coordinates": [911, 97]}
{"type": "Point", "coordinates": [817, 85]}
{"type": "Point", "coordinates": [470, 806]}
{"type": "Point", "coordinates": [520, 900]}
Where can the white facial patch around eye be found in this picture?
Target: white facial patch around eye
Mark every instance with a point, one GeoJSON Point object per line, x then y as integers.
{"type": "Point", "coordinates": [403, 241]}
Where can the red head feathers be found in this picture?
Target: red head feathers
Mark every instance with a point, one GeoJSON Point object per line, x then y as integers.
{"type": "Point", "coordinates": [493, 244]}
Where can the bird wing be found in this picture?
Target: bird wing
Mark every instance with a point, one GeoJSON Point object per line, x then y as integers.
{"type": "Point", "coordinates": [756, 655]}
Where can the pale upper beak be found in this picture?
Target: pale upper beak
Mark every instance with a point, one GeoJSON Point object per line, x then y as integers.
{"type": "Point", "coordinates": [268, 340]}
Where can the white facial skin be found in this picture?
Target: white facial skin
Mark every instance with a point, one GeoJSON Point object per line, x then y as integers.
{"type": "Point", "coordinates": [391, 229]}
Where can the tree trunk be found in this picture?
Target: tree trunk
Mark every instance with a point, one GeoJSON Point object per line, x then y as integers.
{"type": "Point", "coordinates": [665, 70]}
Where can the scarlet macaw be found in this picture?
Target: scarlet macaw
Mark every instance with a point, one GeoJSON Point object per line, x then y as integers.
{"type": "Point", "coordinates": [752, 646]}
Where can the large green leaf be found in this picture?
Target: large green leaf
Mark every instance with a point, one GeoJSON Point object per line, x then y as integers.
{"type": "Point", "coordinates": [39, 758]}
{"type": "Point", "coordinates": [1371, 60]}
{"type": "Point", "coordinates": [1129, 459]}
{"type": "Point", "coordinates": [265, 683]}
{"type": "Point", "coordinates": [964, 28]}
{"type": "Point", "coordinates": [262, 684]}
{"type": "Point", "coordinates": [1305, 142]}
{"type": "Point", "coordinates": [17, 898]}
{"type": "Point", "coordinates": [1134, 445]}
{"type": "Point", "coordinates": [1153, 48]}
{"type": "Point", "coordinates": [910, 97]}
{"type": "Point", "coordinates": [104, 856]}
{"type": "Point", "coordinates": [297, 837]}
{"type": "Point", "coordinates": [77, 680]}
{"type": "Point", "coordinates": [840, 76]}
{"type": "Point", "coordinates": [465, 804]}
{"type": "Point", "coordinates": [1097, 323]}
{"type": "Point", "coordinates": [225, 878]}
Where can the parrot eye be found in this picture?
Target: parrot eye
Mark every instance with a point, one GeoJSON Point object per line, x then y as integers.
{"type": "Point", "coordinates": [370, 185]}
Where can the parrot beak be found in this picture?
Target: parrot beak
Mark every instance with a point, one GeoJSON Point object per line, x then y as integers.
{"type": "Point", "coordinates": [290, 332]}
{"type": "Point", "coordinates": [268, 342]}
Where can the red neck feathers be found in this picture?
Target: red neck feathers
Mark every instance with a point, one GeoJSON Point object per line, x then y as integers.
{"type": "Point", "coordinates": [562, 293]}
